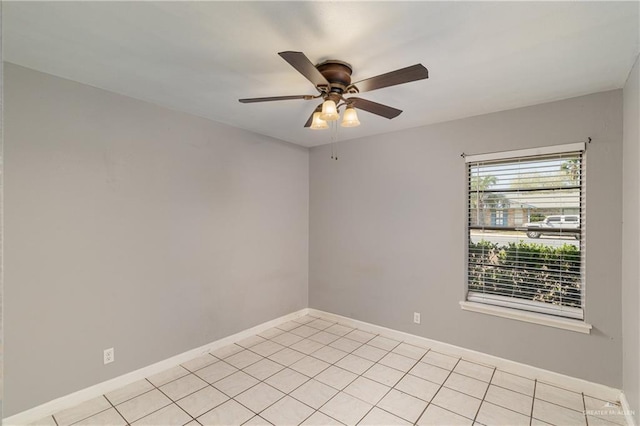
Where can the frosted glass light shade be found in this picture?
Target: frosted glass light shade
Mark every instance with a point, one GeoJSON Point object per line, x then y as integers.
{"type": "Point", "coordinates": [318, 123]}
{"type": "Point", "coordinates": [329, 111]}
{"type": "Point", "coordinates": [350, 118]}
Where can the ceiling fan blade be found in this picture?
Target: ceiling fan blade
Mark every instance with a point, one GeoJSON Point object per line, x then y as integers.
{"type": "Point", "coordinates": [375, 108]}
{"type": "Point", "coordinates": [401, 76]}
{"type": "Point", "coordinates": [304, 66]}
{"type": "Point", "coordinates": [310, 120]}
{"type": "Point", "coordinates": [275, 98]}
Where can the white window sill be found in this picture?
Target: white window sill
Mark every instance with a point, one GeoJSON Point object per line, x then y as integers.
{"type": "Point", "coordinates": [532, 317]}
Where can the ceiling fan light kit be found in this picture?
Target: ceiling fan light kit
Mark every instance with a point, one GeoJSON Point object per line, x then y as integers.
{"type": "Point", "coordinates": [350, 117]}
{"type": "Point", "coordinates": [332, 79]}
{"type": "Point", "coordinates": [329, 111]}
{"type": "Point", "coordinates": [318, 123]}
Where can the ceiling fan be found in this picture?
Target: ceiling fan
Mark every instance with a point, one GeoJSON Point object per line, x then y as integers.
{"type": "Point", "coordinates": [332, 80]}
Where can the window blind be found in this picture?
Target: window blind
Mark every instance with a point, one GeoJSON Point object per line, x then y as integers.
{"type": "Point", "coordinates": [526, 230]}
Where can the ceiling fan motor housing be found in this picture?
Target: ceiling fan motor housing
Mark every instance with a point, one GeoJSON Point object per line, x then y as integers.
{"type": "Point", "coordinates": [337, 73]}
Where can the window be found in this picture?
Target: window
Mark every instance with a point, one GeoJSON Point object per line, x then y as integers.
{"type": "Point", "coordinates": [526, 230]}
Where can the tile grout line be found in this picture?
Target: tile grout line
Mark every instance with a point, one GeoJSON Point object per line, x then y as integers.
{"type": "Point", "coordinates": [436, 394]}
{"type": "Point", "coordinates": [390, 387]}
{"type": "Point", "coordinates": [172, 400]}
{"type": "Point", "coordinates": [315, 410]}
{"type": "Point", "coordinates": [485, 395]}
{"type": "Point", "coordinates": [362, 374]}
{"type": "Point", "coordinates": [263, 381]}
{"type": "Point", "coordinates": [129, 399]}
{"type": "Point", "coordinates": [563, 406]}
{"type": "Point", "coordinates": [259, 380]}
{"type": "Point", "coordinates": [393, 386]}
{"type": "Point", "coordinates": [154, 411]}
{"type": "Point", "coordinates": [357, 375]}
{"type": "Point", "coordinates": [533, 401]}
{"type": "Point", "coordinates": [230, 398]}
{"type": "Point", "coordinates": [185, 396]}
{"type": "Point", "coordinates": [584, 405]}
{"type": "Point", "coordinates": [408, 373]}
{"type": "Point", "coordinates": [84, 418]}
{"type": "Point", "coordinates": [115, 408]}
{"type": "Point", "coordinates": [510, 390]}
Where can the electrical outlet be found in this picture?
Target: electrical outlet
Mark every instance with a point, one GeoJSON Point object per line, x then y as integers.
{"type": "Point", "coordinates": [416, 317]}
{"type": "Point", "coordinates": [109, 356]}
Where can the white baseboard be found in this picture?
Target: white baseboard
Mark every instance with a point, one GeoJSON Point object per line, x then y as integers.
{"type": "Point", "coordinates": [567, 382]}
{"type": "Point", "coordinates": [71, 400]}
{"type": "Point", "coordinates": [629, 415]}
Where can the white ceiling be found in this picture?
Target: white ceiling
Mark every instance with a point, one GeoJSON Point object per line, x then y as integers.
{"type": "Point", "coordinates": [200, 57]}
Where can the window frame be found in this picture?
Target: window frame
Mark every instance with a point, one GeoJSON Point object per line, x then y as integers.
{"type": "Point", "coordinates": [510, 307]}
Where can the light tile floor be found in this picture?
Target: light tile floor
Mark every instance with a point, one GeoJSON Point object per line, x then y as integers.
{"type": "Point", "coordinates": [311, 371]}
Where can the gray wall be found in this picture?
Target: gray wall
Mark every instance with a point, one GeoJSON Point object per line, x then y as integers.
{"type": "Point", "coordinates": [631, 242]}
{"type": "Point", "coordinates": [1, 220]}
{"type": "Point", "coordinates": [136, 227]}
{"type": "Point", "coordinates": [387, 233]}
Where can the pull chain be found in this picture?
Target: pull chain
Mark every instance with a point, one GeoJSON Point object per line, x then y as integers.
{"type": "Point", "coordinates": [333, 129]}
{"type": "Point", "coordinates": [334, 137]}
